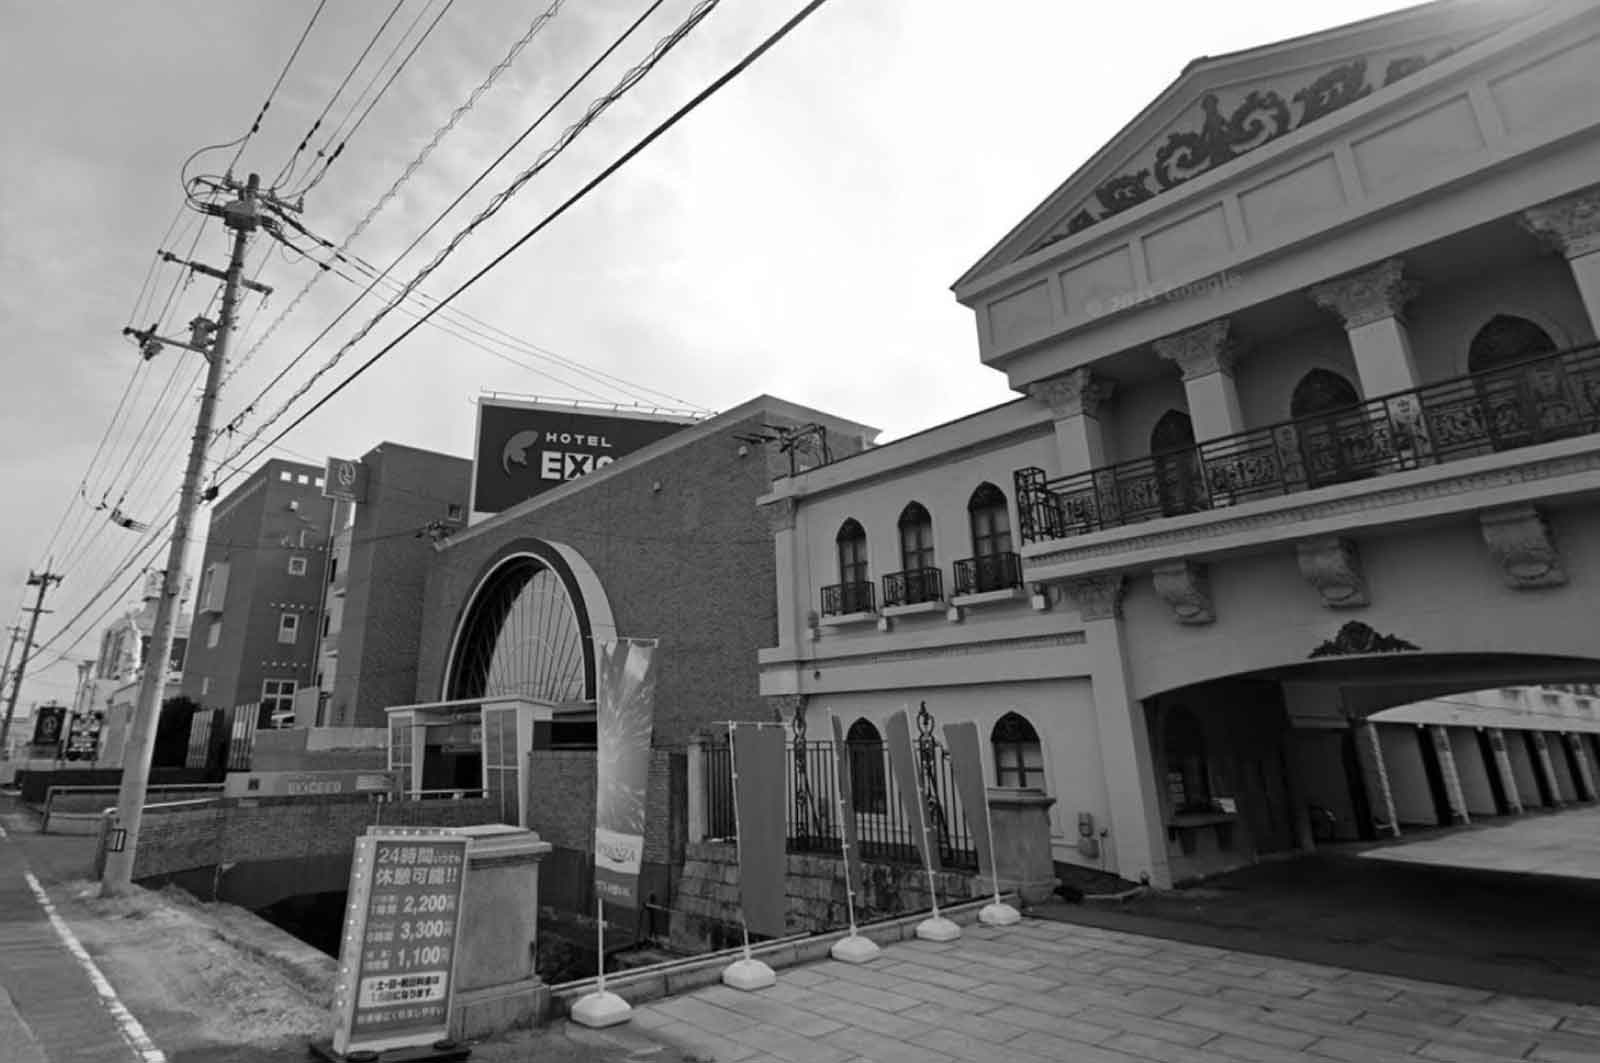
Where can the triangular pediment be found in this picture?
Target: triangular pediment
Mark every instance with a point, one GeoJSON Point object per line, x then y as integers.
{"type": "Point", "coordinates": [1222, 108]}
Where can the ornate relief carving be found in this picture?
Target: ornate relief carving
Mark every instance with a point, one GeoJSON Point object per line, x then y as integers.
{"type": "Point", "coordinates": [1339, 87]}
{"type": "Point", "coordinates": [1520, 542]}
{"type": "Point", "coordinates": [781, 514]}
{"type": "Point", "coordinates": [1096, 597]}
{"type": "Point", "coordinates": [1186, 587]}
{"type": "Point", "coordinates": [1333, 567]}
{"type": "Point", "coordinates": [1356, 638]}
{"type": "Point", "coordinates": [1200, 351]}
{"type": "Point", "coordinates": [1363, 298]}
{"type": "Point", "coordinates": [1075, 392]}
{"type": "Point", "coordinates": [1405, 66]}
{"type": "Point", "coordinates": [1570, 226]}
{"type": "Point", "coordinates": [1120, 193]}
{"type": "Point", "coordinates": [1260, 117]}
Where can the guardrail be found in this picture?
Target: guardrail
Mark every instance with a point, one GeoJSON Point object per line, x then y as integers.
{"type": "Point", "coordinates": [56, 792]}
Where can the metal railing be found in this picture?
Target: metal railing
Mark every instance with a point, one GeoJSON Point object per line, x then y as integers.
{"type": "Point", "coordinates": [913, 586]}
{"type": "Point", "coordinates": [992, 572]}
{"type": "Point", "coordinates": [884, 831]}
{"type": "Point", "coordinates": [55, 794]}
{"type": "Point", "coordinates": [1550, 397]}
{"type": "Point", "coordinates": [842, 599]}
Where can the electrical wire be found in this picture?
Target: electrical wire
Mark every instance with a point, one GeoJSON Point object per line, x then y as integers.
{"type": "Point", "coordinates": [255, 127]}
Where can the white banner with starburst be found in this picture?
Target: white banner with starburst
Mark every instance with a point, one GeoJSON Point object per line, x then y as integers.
{"type": "Point", "coordinates": [625, 716]}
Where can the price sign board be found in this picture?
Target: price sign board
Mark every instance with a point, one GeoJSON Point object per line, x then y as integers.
{"type": "Point", "coordinates": [402, 925]}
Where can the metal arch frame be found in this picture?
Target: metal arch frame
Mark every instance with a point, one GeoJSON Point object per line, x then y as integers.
{"type": "Point", "coordinates": [588, 596]}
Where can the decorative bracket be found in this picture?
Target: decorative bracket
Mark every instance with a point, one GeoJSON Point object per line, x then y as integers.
{"type": "Point", "coordinates": [1520, 541]}
{"type": "Point", "coordinates": [1186, 587]}
{"type": "Point", "coordinates": [1333, 567]}
{"type": "Point", "coordinates": [1096, 597]}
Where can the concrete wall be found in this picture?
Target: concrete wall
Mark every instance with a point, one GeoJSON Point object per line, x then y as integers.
{"type": "Point", "coordinates": [1473, 772]}
{"type": "Point", "coordinates": [1317, 756]}
{"type": "Point", "coordinates": [1408, 778]}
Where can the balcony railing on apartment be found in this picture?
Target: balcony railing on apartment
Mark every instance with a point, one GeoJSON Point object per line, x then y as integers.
{"type": "Point", "coordinates": [1551, 397]}
{"type": "Point", "coordinates": [842, 599]}
{"type": "Point", "coordinates": [913, 586]}
{"type": "Point", "coordinates": [885, 834]}
{"type": "Point", "coordinates": [992, 572]}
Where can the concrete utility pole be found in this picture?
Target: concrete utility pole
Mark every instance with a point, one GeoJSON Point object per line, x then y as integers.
{"type": "Point", "coordinates": [42, 580]}
{"type": "Point", "coordinates": [211, 342]}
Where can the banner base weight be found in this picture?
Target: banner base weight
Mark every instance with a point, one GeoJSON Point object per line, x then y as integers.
{"type": "Point", "coordinates": [601, 1009]}
{"type": "Point", "coordinates": [855, 949]}
{"type": "Point", "coordinates": [748, 975]}
{"type": "Point", "coordinates": [999, 914]}
{"type": "Point", "coordinates": [937, 928]}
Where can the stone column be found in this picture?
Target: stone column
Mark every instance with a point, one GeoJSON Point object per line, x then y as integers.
{"type": "Point", "coordinates": [1380, 778]}
{"type": "Point", "coordinates": [1572, 227]}
{"type": "Point", "coordinates": [1585, 780]}
{"type": "Point", "coordinates": [793, 599]}
{"type": "Point", "coordinates": [1138, 834]}
{"type": "Point", "coordinates": [1456, 797]}
{"type": "Point", "coordinates": [1502, 766]}
{"type": "Point", "coordinates": [1206, 356]}
{"type": "Point", "coordinates": [1022, 855]}
{"type": "Point", "coordinates": [1075, 399]}
{"type": "Point", "coordinates": [497, 986]}
{"type": "Point", "coordinates": [1547, 766]}
{"type": "Point", "coordinates": [1370, 306]}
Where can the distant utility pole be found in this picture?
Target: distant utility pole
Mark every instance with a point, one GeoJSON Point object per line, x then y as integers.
{"type": "Point", "coordinates": [211, 342]}
{"type": "Point", "coordinates": [42, 580]}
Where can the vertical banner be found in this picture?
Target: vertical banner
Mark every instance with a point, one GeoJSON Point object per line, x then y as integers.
{"type": "Point", "coordinates": [903, 762]}
{"type": "Point", "coordinates": [966, 757]}
{"type": "Point", "coordinates": [847, 804]}
{"type": "Point", "coordinates": [625, 697]}
{"type": "Point", "coordinates": [759, 795]}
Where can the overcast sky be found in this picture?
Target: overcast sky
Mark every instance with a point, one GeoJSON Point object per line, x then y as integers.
{"type": "Point", "coordinates": [797, 236]}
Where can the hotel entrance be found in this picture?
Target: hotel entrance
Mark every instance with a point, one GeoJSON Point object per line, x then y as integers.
{"type": "Point", "coordinates": [457, 749]}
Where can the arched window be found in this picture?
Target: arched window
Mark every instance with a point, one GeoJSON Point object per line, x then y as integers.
{"type": "Point", "coordinates": [1335, 437]}
{"type": "Point", "coordinates": [869, 778]}
{"type": "Point", "coordinates": [1176, 467]}
{"type": "Point", "coordinates": [855, 591]}
{"type": "Point", "coordinates": [918, 579]}
{"type": "Point", "coordinates": [1183, 743]}
{"type": "Point", "coordinates": [994, 565]}
{"type": "Point", "coordinates": [1522, 403]}
{"type": "Point", "coordinates": [1018, 757]}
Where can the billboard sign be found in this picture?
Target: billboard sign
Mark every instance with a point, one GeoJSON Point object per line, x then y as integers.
{"type": "Point", "coordinates": [48, 722]}
{"type": "Point", "coordinates": [344, 480]}
{"type": "Point", "coordinates": [526, 448]}
{"type": "Point", "coordinates": [402, 929]}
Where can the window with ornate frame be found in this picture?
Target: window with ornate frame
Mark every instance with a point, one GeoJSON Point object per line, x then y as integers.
{"type": "Point", "coordinates": [1018, 754]}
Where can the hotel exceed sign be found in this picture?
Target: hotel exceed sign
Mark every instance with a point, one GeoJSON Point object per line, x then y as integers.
{"type": "Point", "coordinates": [397, 958]}
{"type": "Point", "coordinates": [526, 448]}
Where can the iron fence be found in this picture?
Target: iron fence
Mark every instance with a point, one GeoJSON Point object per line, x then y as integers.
{"type": "Point", "coordinates": [842, 599]}
{"type": "Point", "coordinates": [884, 831]}
{"type": "Point", "coordinates": [1536, 401]}
{"type": "Point", "coordinates": [991, 572]}
{"type": "Point", "coordinates": [913, 586]}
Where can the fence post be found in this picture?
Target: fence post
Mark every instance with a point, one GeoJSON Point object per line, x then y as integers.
{"type": "Point", "coordinates": [697, 788]}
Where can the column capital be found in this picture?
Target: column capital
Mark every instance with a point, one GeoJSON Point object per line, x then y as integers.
{"type": "Point", "coordinates": [1372, 295]}
{"type": "Point", "coordinates": [1570, 225]}
{"type": "Point", "coordinates": [1077, 392]}
{"type": "Point", "coordinates": [1200, 351]}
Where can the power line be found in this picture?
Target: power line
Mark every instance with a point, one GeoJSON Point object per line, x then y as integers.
{"type": "Point", "coordinates": [272, 93]}
{"type": "Point", "coordinates": [617, 164]}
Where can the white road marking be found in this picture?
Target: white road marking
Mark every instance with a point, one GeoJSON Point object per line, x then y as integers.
{"type": "Point", "coordinates": [144, 1049]}
{"type": "Point", "coordinates": [3, 834]}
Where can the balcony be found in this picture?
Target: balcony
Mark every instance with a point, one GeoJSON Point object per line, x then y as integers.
{"type": "Point", "coordinates": [847, 599]}
{"type": "Point", "coordinates": [994, 572]}
{"type": "Point", "coordinates": [914, 586]}
{"type": "Point", "coordinates": [1543, 399]}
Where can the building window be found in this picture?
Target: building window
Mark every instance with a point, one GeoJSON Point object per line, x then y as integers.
{"type": "Point", "coordinates": [855, 593]}
{"type": "Point", "coordinates": [286, 476]}
{"type": "Point", "coordinates": [916, 538]}
{"type": "Point", "coordinates": [326, 620]}
{"type": "Point", "coordinates": [869, 781]}
{"type": "Point", "coordinates": [1177, 464]}
{"type": "Point", "coordinates": [277, 699]}
{"type": "Point", "coordinates": [453, 511]}
{"type": "Point", "coordinates": [318, 482]}
{"type": "Point", "coordinates": [333, 568]}
{"type": "Point", "coordinates": [214, 635]}
{"type": "Point", "coordinates": [288, 627]}
{"type": "Point", "coordinates": [297, 566]}
{"type": "Point", "coordinates": [991, 523]}
{"type": "Point", "coordinates": [1188, 770]}
{"type": "Point", "coordinates": [1018, 756]}
{"type": "Point", "coordinates": [302, 479]}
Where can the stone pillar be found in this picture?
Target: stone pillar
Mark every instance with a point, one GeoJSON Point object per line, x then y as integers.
{"type": "Point", "coordinates": [1022, 854]}
{"type": "Point", "coordinates": [1547, 767]}
{"type": "Point", "coordinates": [695, 760]}
{"type": "Point", "coordinates": [1585, 779]}
{"type": "Point", "coordinates": [1138, 833]}
{"type": "Point", "coordinates": [1502, 766]}
{"type": "Point", "coordinates": [1370, 305]}
{"type": "Point", "coordinates": [496, 984]}
{"type": "Point", "coordinates": [1206, 356]}
{"type": "Point", "coordinates": [1380, 779]}
{"type": "Point", "coordinates": [793, 599]}
{"type": "Point", "coordinates": [1075, 399]}
{"type": "Point", "coordinates": [1572, 227]}
{"type": "Point", "coordinates": [1452, 775]}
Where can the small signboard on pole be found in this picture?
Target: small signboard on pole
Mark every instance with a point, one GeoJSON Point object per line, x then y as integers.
{"type": "Point", "coordinates": [397, 958]}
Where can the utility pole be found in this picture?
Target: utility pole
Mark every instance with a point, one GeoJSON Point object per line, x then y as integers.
{"type": "Point", "coordinates": [211, 342]}
{"type": "Point", "coordinates": [42, 580]}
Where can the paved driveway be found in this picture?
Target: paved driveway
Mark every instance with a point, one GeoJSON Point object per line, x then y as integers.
{"type": "Point", "coordinates": [1047, 992]}
{"type": "Point", "coordinates": [1565, 843]}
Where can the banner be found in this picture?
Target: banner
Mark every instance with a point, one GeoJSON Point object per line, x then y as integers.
{"type": "Point", "coordinates": [625, 694]}
{"type": "Point", "coordinates": [847, 805]}
{"type": "Point", "coordinates": [759, 792]}
{"type": "Point", "coordinates": [903, 762]}
{"type": "Point", "coordinates": [966, 757]}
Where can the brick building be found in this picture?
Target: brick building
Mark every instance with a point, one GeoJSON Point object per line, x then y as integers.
{"type": "Point", "coordinates": [253, 635]}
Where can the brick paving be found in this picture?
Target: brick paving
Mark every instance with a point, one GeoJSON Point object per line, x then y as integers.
{"type": "Point", "coordinates": [1047, 992]}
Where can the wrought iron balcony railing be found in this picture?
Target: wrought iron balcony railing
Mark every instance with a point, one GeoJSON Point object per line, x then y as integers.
{"type": "Point", "coordinates": [842, 599]}
{"type": "Point", "coordinates": [912, 586]}
{"type": "Point", "coordinates": [992, 572]}
{"type": "Point", "coordinates": [1551, 397]}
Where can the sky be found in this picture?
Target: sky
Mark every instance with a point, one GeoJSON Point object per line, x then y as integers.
{"type": "Point", "coordinates": [796, 236]}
